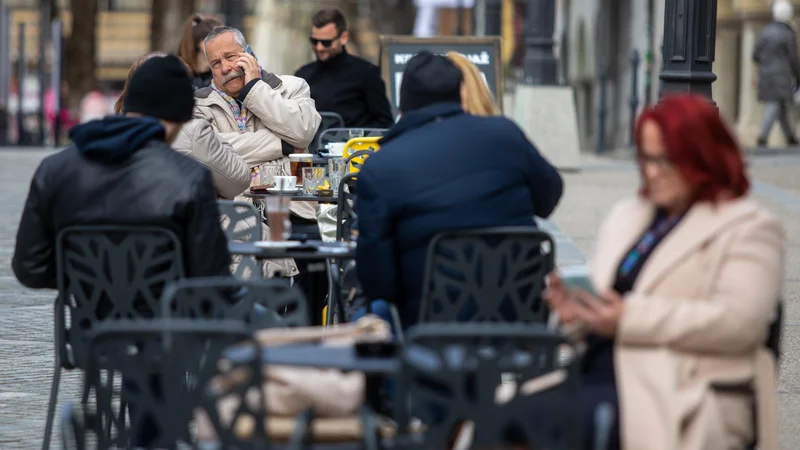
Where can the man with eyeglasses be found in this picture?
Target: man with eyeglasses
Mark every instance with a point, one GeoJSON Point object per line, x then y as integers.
{"type": "Point", "coordinates": [340, 82]}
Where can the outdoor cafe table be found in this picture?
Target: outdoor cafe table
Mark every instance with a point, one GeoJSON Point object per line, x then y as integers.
{"type": "Point", "coordinates": [313, 355]}
{"type": "Point", "coordinates": [298, 197]}
{"type": "Point", "coordinates": [328, 251]}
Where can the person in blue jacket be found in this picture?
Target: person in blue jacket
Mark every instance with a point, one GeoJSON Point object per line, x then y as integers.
{"type": "Point", "coordinates": [441, 169]}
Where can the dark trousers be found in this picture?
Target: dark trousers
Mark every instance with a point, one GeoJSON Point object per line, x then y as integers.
{"type": "Point", "coordinates": [313, 277]}
{"type": "Point", "coordinates": [594, 395]}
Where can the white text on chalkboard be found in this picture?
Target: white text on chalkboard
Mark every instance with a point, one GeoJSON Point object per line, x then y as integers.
{"type": "Point", "coordinates": [479, 59]}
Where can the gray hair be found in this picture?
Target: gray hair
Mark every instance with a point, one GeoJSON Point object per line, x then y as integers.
{"type": "Point", "coordinates": [216, 32]}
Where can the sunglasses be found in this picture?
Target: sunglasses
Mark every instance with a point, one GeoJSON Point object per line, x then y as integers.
{"type": "Point", "coordinates": [325, 42]}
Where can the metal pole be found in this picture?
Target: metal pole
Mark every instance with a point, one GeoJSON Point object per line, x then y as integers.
{"type": "Point", "coordinates": [55, 79]}
{"type": "Point", "coordinates": [634, 100]}
{"type": "Point", "coordinates": [479, 18]}
{"type": "Point", "coordinates": [5, 70]}
{"type": "Point", "coordinates": [601, 111]}
{"type": "Point", "coordinates": [459, 18]}
{"type": "Point", "coordinates": [234, 13]}
{"type": "Point", "coordinates": [690, 28]}
{"type": "Point", "coordinates": [21, 74]}
{"type": "Point", "coordinates": [44, 28]}
{"type": "Point", "coordinates": [540, 65]}
{"type": "Point", "coordinates": [494, 17]}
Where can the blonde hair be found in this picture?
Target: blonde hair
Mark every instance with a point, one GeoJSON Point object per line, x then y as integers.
{"type": "Point", "coordinates": [476, 97]}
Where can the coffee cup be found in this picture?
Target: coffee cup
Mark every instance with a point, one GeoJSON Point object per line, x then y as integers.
{"type": "Point", "coordinates": [285, 183]}
{"type": "Point", "coordinates": [336, 148]}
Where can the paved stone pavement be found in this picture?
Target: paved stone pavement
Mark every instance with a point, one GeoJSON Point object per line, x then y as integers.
{"type": "Point", "coordinates": [26, 316]}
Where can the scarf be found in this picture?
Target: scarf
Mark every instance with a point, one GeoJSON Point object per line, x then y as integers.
{"type": "Point", "coordinates": [239, 112]}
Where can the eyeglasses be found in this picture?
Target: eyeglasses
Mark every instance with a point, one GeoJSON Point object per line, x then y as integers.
{"type": "Point", "coordinates": [662, 161]}
{"type": "Point", "coordinates": [325, 42]}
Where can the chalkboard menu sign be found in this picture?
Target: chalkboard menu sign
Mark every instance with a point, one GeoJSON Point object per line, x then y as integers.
{"type": "Point", "coordinates": [484, 52]}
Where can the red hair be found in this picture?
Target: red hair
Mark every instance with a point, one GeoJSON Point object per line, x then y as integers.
{"type": "Point", "coordinates": [699, 145]}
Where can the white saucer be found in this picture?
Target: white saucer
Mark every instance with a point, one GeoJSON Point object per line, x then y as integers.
{"type": "Point", "coordinates": [333, 250]}
{"type": "Point", "coordinates": [277, 244]}
{"type": "Point", "coordinates": [283, 191]}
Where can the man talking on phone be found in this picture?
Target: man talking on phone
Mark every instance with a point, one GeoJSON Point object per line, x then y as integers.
{"type": "Point", "coordinates": [265, 118]}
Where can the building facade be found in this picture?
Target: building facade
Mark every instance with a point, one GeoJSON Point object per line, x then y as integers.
{"type": "Point", "coordinates": [599, 40]}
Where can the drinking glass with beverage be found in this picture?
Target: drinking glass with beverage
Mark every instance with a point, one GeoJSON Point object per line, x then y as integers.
{"type": "Point", "coordinates": [268, 172]}
{"type": "Point", "coordinates": [312, 178]}
{"type": "Point", "coordinates": [297, 162]}
{"type": "Point", "coordinates": [280, 227]}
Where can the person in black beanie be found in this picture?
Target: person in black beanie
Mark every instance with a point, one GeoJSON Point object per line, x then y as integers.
{"type": "Point", "coordinates": [440, 169]}
{"type": "Point", "coordinates": [120, 170]}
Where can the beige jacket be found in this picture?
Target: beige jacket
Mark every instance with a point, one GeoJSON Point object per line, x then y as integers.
{"type": "Point", "coordinates": [697, 316]}
{"type": "Point", "coordinates": [230, 173]}
{"type": "Point", "coordinates": [280, 108]}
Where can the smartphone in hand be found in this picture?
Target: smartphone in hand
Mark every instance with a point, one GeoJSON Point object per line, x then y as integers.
{"type": "Point", "coordinates": [577, 277]}
{"type": "Point", "coordinates": [249, 50]}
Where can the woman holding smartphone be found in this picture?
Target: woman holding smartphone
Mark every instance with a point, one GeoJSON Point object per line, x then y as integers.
{"type": "Point", "coordinates": [688, 276]}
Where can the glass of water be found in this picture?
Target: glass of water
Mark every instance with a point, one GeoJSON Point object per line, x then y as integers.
{"type": "Point", "coordinates": [356, 133]}
{"type": "Point", "coordinates": [336, 171]}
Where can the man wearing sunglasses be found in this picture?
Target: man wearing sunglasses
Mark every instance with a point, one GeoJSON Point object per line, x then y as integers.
{"type": "Point", "coordinates": [340, 82]}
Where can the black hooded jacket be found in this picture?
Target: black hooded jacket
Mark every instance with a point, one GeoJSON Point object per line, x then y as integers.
{"type": "Point", "coordinates": [119, 171]}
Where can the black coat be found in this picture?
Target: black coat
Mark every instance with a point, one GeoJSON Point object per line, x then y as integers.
{"type": "Point", "coordinates": [439, 169]}
{"type": "Point", "coordinates": [351, 87]}
{"type": "Point", "coordinates": [119, 171]}
{"type": "Point", "coordinates": [775, 53]}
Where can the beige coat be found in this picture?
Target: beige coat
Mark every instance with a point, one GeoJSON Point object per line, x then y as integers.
{"type": "Point", "coordinates": [697, 316]}
{"type": "Point", "coordinates": [231, 176]}
{"type": "Point", "coordinates": [230, 173]}
{"type": "Point", "coordinates": [280, 108]}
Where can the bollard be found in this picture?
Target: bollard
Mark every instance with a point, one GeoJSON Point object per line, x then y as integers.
{"type": "Point", "coordinates": [601, 111]}
{"type": "Point", "coordinates": [634, 99]}
{"type": "Point", "coordinates": [5, 70]}
{"type": "Point", "coordinates": [44, 29]}
{"type": "Point", "coordinates": [22, 136]}
{"type": "Point", "coordinates": [55, 79]}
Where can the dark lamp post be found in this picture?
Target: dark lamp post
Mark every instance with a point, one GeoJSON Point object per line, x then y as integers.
{"type": "Point", "coordinates": [690, 28]}
{"type": "Point", "coordinates": [540, 66]}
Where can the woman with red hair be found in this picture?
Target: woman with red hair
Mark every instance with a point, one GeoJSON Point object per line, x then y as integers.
{"type": "Point", "coordinates": [688, 276]}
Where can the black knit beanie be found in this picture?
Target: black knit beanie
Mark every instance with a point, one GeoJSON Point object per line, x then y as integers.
{"type": "Point", "coordinates": [429, 79]}
{"type": "Point", "coordinates": [161, 88]}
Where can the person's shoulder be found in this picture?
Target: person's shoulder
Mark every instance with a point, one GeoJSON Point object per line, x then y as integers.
{"type": "Point", "coordinates": [203, 93]}
{"type": "Point", "coordinates": [360, 62]}
{"type": "Point", "coordinates": [306, 70]}
{"type": "Point", "coordinates": [185, 167]}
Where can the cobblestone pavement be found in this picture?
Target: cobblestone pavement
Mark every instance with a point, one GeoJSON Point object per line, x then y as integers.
{"type": "Point", "coordinates": [26, 316]}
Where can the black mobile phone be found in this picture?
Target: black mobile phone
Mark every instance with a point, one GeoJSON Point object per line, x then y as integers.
{"type": "Point", "coordinates": [249, 50]}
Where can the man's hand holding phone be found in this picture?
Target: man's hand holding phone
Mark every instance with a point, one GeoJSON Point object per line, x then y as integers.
{"type": "Point", "coordinates": [249, 66]}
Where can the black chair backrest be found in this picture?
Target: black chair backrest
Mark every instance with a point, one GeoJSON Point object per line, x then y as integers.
{"type": "Point", "coordinates": [166, 366]}
{"type": "Point", "coordinates": [242, 223]}
{"type": "Point", "coordinates": [451, 372]}
{"type": "Point", "coordinates": [110, 273]}
{"type": "Point", "coordinates": [329, 120]}
{"type": "Point", "coordinates": [229, 298]}
{"type": "Point", "coordinates": [343, 135]}
{"type": "Point", "coordinates": [346, 220]}
{"type": "Point", "coordinates": [487, 275]}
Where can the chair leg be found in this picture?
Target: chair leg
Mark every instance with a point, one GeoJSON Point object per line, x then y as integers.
{"type": "Point", "coordinates": [398, 326]}
{"type": "Point", "coordinates": [51, 408]}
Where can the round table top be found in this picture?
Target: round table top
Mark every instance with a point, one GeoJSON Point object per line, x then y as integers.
{"type": "Point", "coordinates": [298, 197]}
